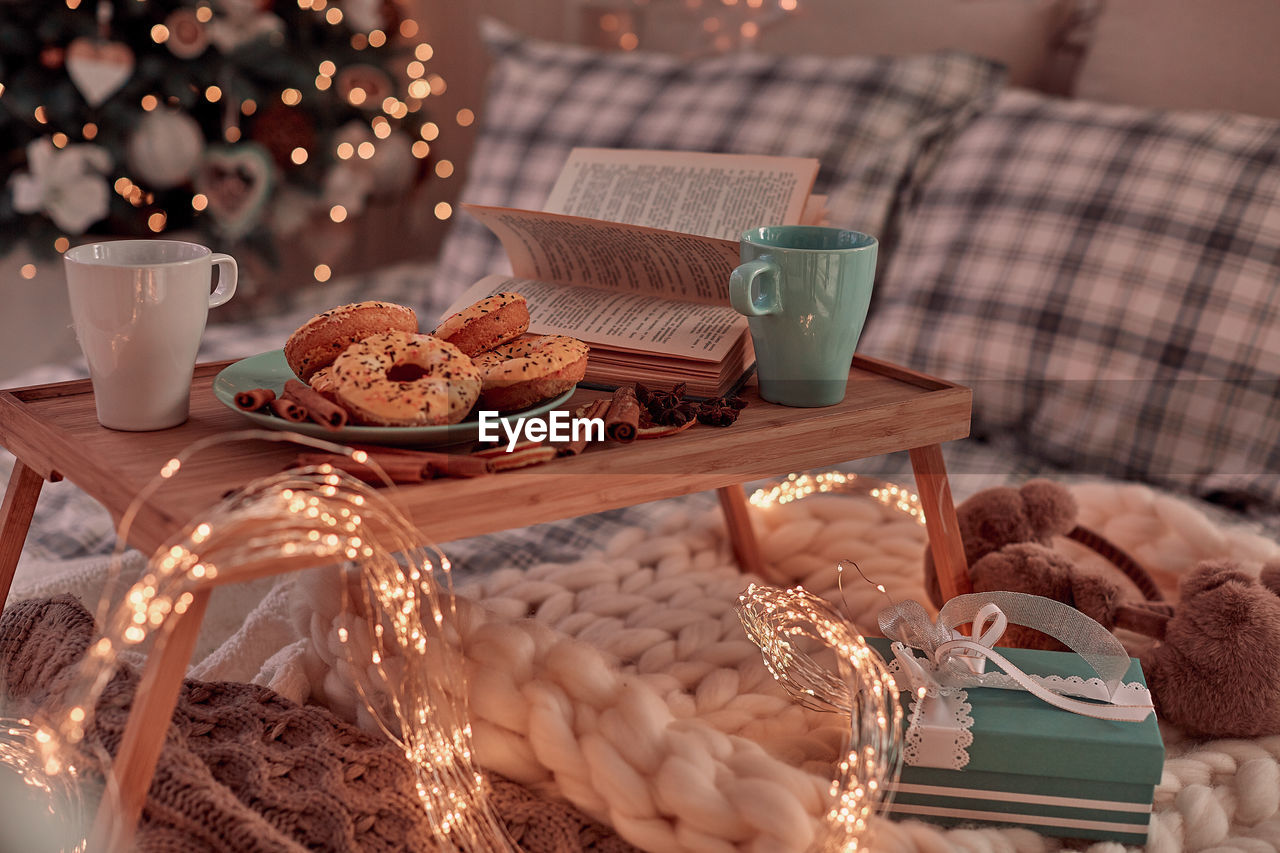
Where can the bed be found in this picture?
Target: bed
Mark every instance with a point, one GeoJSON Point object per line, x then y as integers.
{"type": "Point", "coordinates": [1104, 276]}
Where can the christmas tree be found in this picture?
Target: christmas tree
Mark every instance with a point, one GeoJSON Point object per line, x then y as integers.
{"type": "Point", "coordinates": [238, 119]}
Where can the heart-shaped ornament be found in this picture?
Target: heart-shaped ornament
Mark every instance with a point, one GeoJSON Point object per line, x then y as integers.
{"type": "Point", "coordinates": [237, 181]}
{"type": "Point", "coordinates": [98, 68]}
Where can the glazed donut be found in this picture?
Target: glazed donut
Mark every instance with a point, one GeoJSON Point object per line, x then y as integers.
{"type": "Point", "coordinates": [402, 379]}
{"type": "Point", "coordinates": [491, 322]}
{"type": "Point", "coordinates": [537, 367]}
{"type": "Point", "coordinates": [318, 341]}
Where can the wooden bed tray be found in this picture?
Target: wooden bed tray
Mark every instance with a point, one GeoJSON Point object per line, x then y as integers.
{"type": "Point", "coordinates": [54, 433]}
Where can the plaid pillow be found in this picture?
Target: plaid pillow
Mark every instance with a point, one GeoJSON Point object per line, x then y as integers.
{"type": "Point", "coordinates": [1108, 279]}
{"type": "Point", "coordinates": [873, 123]}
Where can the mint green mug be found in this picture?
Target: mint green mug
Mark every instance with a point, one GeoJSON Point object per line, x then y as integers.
{"type": "Point", "coordinates": [805, 290]}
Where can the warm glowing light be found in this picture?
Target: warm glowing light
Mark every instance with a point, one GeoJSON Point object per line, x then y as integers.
{"type": "Point", "coordinates": [156, 221]}
{"type": "Point", "coordinates": [749, 29]}
{"type": "Point", "coordinates": [327, 68]}
{"type": "Point", "coordinates": [318, 5]}
{"type": "Point", "coordinates": [41, 116]}
{"type": "Point", "coordinates": [231, 134]}
{"type": "Point", "coordinates": [365, 150]}
{"type": "Point", "coordinates": [59, 140]}
{"type": "Point", "coordinates": [1, 90]}
{"type": "Point", "coordinates": [382, 131]}
{"type": "Point", "coordinates": [338, 213]}
{"type": "Point", "coordinates": [334, 15]}
{"type": "Point", "coordinates": [150, 102]}
{"type": "Point", "coordinates": [28, 271]}
{"type": "Point", "coordinates": [377, 38]}
{"type": "Point", "coordinates": [73, 4]}
{"type": "Point", "coordinates": [415, 69]}
{"type": "Point", "coordinates": [423, 52]}
{"type": "Point", "coordinates": [420, 149]}
{"type": "Point", "coordinates": [419, 88]}
{"type": "Point", "coordinates": [249, 107]}
{"type": "Point", "coordinates": [356, 96]}
{"type": "Point", "coordinates": [204, 14]}
{"type": "Point", "coordinates": [443, 210]}
{"type": "Point", "coordinates": [123, 185]}
{"type": "Point", "coordinates": [61, 244]}
{"type": "Point", "coordinates": [444, 169]}
{"type": "Point", "coordinates": [323, 82]}
{"type": "Point", "coordinates": [389, 104]}
{"type": "Point", "coordinates": [438, 85]}
{"type": "Point", "coordinates": [429, 131]}
{"type": "Point", "coordinates": [89, 131]}
{"type": "Point", "coordinates": [199, 201]}
{"type": "Point", "coordinates": [213, 94]}
{"type": "Point", "coordinates": [408, 28]}
{"type": "Point", "coordinates": [465, 117]}
{"type": "Point", "coordinates": [298, 155]}
{"type": "Point", "coordinates": [322, 272]}
{"type": "Point", "coordinates": [159, 34]}
{"type": "Point", "coordinates": [787, 5]}
{"type": "Point", "coordinates": [345, 150]}
{"type": "Point", "coordinates": [291, 97]}
{"type": "Point", "coordinates": [359, 41]}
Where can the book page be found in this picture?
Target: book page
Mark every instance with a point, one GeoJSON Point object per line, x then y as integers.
{"type": "Point", "coordinates": [612, 256]}
{"type": "Point", "coordinates": [627, 321]}
{"type": "Point", "coordinates": [712, 195]}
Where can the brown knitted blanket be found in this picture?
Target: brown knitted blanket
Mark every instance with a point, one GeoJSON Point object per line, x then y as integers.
{"type": "Point", "coordinates": [247, 770]}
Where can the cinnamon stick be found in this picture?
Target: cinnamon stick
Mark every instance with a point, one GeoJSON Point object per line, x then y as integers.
{"type": "Point", "coordinates": [254, 399]}
{"type": "Point", "coordinates": [594, 409]}
{"type": "Point", "coordinates": [288, 409]}
{"type": "Point", "coordinates": [440, 464]}
{"type": "Point", "coordinates": [623, 418]}
{"type": "Point", "coordinates": [400, 469]}
{"type": "Point", "coordinates": [319, 408]}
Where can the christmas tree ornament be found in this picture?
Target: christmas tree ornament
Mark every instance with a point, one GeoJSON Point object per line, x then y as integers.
{"type": "Point", "coordinates": [187, 35]}
{"type": "Point", "coordinates": [98, 68]}
{"type": "Point", "coordinates": [165, 148]}
{"type": "Point", "coordinates": [393, 165]}
{"type": "Point", "coordinates": [241, 21]}
{"type": "Point", "coordinates": [281, 129]}
{"type": "Point", "coordinates": [66, 184]}
{"type": "Point", "coordinates": [52, 56]}
{"type": "Point", "coordinates": [365, 86]}
{"type": "Point", "coordinates": [237, 180]}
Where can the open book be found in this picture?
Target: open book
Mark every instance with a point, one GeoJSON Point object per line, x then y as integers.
{"type": "Point", "coordinates": [633, 256]}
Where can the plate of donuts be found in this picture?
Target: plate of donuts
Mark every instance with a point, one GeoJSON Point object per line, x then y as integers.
{"type": "Point", "coordinates": [270, 370]}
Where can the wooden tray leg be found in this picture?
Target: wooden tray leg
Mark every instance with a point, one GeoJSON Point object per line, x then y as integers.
{"type": "Point", "coordinates": [144, 735]}
{"type": "Point", "coordinates": [737, 517]}
{"type": "Point", "coordinates": [940, 521]}
{"type": "Point", "coordinates": [15, 520]}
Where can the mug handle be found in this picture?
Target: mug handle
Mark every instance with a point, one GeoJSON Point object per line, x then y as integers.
{"type": "Point", "coordinates": [753, 288]}
{"type": "Point", "coordinates": [226, 281]}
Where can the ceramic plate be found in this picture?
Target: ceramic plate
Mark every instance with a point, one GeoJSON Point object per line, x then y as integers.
{"type": "Point", "coordinates": [270, 370]}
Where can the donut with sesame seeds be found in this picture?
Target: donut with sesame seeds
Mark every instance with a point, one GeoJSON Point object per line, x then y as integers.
{"type": "Point", "coordinates": [537, 367]}
{"type": "Point", "coordinates": [317, 342]}
{"type": "Point", "coordinates": [491, 322]}
{"type": "Point", "coordinates": [402, 379]}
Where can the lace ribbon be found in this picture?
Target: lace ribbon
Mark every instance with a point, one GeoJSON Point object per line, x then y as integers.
{"type": "Point", "coordinates": [952, 661]}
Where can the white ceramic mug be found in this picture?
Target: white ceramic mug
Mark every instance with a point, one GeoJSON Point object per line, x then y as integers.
{"type": "Point", "coordinates": [139, 309]}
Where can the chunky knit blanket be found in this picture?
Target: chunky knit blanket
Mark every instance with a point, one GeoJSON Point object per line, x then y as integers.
{"type": "Point", "coordinates": [244, 769]}
{"type": "Point", "coordinates": [622, 682]}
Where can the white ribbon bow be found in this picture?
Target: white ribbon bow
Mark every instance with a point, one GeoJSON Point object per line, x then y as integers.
{"type": "Point", "coordinates": [954, 660]}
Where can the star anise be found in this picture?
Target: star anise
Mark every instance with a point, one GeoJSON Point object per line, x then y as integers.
{"type": "Point", "coordinates": [721, 412]}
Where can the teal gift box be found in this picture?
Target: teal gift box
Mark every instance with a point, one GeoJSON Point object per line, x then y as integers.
{"type": "Point", "coordinates": [1037, 766]}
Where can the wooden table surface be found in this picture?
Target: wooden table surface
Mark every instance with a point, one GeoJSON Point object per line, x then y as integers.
{"type": "Point", "coordinates": [53, 429]}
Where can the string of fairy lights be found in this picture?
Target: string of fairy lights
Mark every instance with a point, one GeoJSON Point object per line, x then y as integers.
{"type": "Point", "coordinates": [391, 110]}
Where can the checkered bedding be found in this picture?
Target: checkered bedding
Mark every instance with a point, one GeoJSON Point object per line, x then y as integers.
{"type": "Point", "coordinates": [1108, 280]}
{"type": "Point", "coordinates": [875, 124]}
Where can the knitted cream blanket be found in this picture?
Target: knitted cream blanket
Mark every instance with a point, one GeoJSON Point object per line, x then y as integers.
{"type": "Point", "coordinates": [624, 684]}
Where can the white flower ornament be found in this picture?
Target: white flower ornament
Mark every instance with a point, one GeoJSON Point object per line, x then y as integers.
{"type": "Point", "coordinates": [65, 184]}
